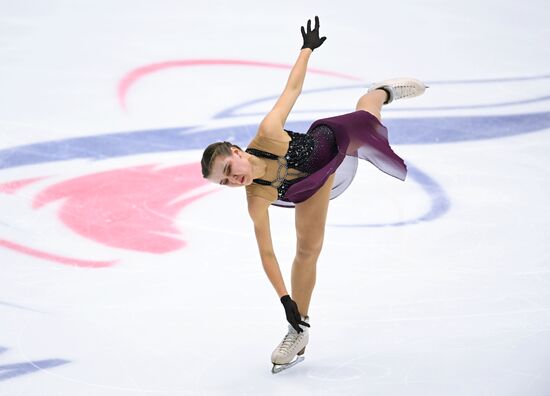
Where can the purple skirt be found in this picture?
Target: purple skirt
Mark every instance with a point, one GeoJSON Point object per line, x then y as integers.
{"type": "Point", "coordinates": [354, 135]}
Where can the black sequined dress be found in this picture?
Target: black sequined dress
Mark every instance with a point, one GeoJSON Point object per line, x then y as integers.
{"type": "Point", "coordinates": [331, 145]}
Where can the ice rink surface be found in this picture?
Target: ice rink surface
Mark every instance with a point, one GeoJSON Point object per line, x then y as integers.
{"type": "Point", "coordinates": [123, 273]}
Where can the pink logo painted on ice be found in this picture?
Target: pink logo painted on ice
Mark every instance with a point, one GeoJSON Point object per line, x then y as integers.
{"type": "Point", "coordinates": [11, 188]}
{"type": "Point", "coordinates": [14, 186]}
{"type": "Point", "coordinates": [130, 78]}
{"type": "Point", "coordinates": [132, 208]}
{"type": "Point", "coordinates": [54, 257]}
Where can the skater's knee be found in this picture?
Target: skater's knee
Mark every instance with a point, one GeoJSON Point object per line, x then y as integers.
{"type": "Point", "coordinates": [374, 112]}
{"type": "Point", "coordinates": [307, 252]}
{"type": "Point", "coordinates": [372, 103]}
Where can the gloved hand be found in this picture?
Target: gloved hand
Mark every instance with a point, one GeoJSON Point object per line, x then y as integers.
{"type": "Point", "coordinates": [311, 38]}
{"type": "Point", "coordinates": [292, 314]}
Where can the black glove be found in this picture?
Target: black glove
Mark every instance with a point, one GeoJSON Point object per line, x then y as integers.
{"type": "Point", "coordinates": [311, 38]}
{"type": "Point", "coordinates": [292, 314]}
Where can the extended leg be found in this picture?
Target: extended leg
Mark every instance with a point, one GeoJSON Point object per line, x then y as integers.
{"type": "Point", "coordinates": [372, 102]}
{"type": "Point", "coordinates": [387, 91]}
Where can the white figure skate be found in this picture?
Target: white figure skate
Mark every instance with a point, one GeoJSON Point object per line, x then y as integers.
{"type": "Point", "coordinates": [400, 88]}
{"type": "Point", "coordinates": [291, 349]}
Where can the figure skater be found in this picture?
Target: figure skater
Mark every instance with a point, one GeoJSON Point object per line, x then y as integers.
{"type": "Point", "coordinates": [304, 171]}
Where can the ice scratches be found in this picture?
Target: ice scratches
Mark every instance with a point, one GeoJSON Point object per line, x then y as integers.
{"type": "Point", "coordinates": [18, 307]}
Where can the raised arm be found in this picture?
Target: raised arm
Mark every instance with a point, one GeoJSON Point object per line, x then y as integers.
{"type": "Point", "coordinates": [276, 118]}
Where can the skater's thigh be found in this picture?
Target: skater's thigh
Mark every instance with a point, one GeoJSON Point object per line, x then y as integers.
{"type": "Point", "coordinates": [310, 220]}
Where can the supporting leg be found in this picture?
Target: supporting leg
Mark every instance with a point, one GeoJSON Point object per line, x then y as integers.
{"type": "Point", "coordinates": [310, 231]}
{"type": "Point", "coordinates": [303, 278]}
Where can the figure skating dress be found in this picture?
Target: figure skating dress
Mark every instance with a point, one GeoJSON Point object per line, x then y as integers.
{"type": "Point", "coordinates": [298, 168]}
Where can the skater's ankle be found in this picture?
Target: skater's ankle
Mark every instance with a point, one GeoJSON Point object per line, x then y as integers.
{"type": "Point", "coordinates": [389, 94]}
{"type": "Point", "coordinates": [380, 96]}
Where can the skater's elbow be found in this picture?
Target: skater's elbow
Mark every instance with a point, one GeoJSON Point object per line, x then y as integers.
{"type": "Point", "coordinates": [267, 255]}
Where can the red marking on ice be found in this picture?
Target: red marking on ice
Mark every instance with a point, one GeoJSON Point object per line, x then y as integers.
{"type": "Point", "coordinates": [53, 257]}
{"type": "Point", "coordinates": [129, 79]}
{"type": "Point", "coordinates": [12, 187]}
{"type": "Point", "coordinates": [132, 208]}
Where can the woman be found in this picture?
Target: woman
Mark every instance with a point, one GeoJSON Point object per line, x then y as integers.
{"type": "Point", "coordinates": [305, 171]}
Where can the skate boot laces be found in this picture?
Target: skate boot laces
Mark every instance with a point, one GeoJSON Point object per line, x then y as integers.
{"type": "Point", "coordinates": [293, 344]}
{"type": "Point", "coordinates": [404, 90]}
{"type": "Point", "coordinates": [291, 338]}
{"type": "Point", "coordinates": [400, 88]}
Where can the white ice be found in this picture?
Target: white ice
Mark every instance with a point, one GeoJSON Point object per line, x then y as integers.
{"type": "Point", "coordinates": [454, 305]}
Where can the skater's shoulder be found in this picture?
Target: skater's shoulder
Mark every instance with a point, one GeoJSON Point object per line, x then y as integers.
{"type": "Point", "coordinates": [273, 132]}
{"type": "Point", "coordinates": [259, 198]}
{"type": "Point", "coordinates": [265, 146]}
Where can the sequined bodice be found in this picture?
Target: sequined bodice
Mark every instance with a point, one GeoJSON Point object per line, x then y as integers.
{"type": "Point", "coordinates": [293, 164]}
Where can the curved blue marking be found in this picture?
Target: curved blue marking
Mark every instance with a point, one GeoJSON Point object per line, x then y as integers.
{"type": "Point", "coordinates": [460, 129]}
{"type": "Point", "coordinates": [427, 130]}
{"type": "Point", "coordinates": [8, 371]}
{"type": "Point", "coordinates": [440, 203]}
{"type": "Point", "coordinates": [429, 108]}
{"type": "Point", "coordinates": [97, 147]}
{"type": "Point", "coordinates": [491, 80]}
{"type": "Point", "coordinates": [231, 111]}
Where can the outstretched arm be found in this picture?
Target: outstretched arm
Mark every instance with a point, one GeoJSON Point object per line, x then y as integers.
{"type": "Point", "coordinates": [275, 120]}
{"type": "Point", "coordinates": [257, 208]}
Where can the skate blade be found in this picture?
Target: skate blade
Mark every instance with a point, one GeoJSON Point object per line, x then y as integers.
{"type": "Point", "coordinates": [277, 368]}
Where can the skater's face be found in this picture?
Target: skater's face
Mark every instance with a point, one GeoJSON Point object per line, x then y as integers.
{"type": "Point", "coordinates": [233, 170]}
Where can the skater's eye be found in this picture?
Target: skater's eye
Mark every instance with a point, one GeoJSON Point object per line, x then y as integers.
{"type": "Point", "coordinates": [226, 171]}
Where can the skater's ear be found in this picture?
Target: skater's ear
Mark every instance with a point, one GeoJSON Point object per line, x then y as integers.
{"type": "Point", "coordinates": [212, 152]}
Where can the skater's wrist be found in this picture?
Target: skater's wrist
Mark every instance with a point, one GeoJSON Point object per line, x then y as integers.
{"type": "Point", "coordinates": [282, 292]}
{"type": "Point", "coordinates": [285, 298]}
